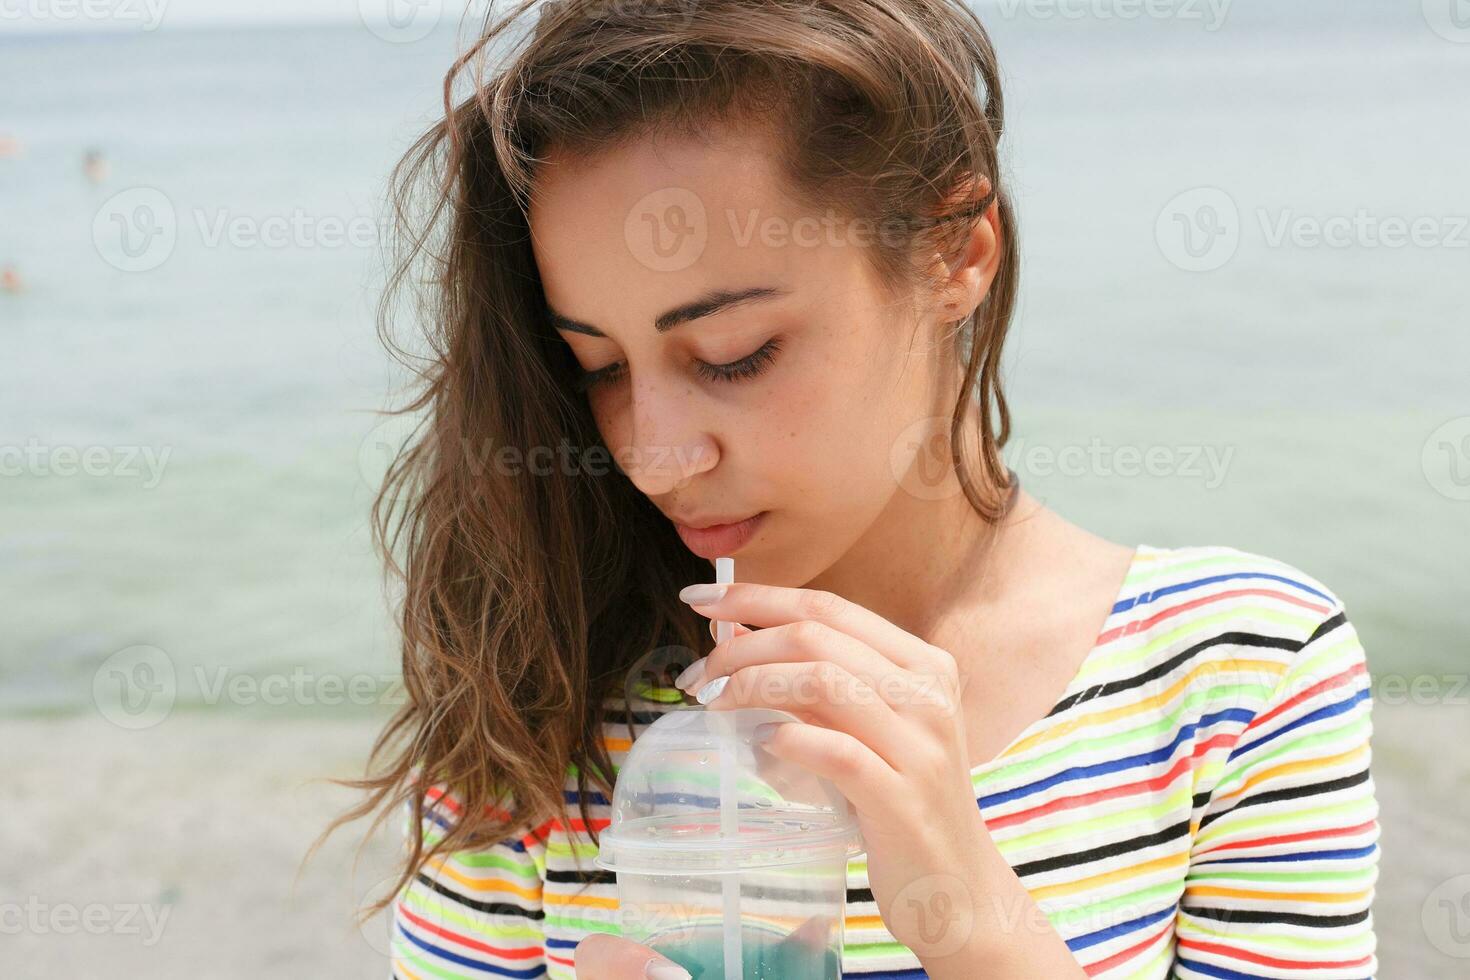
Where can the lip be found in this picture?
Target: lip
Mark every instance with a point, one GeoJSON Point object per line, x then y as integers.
{"type": "Point", "coordinates": [719, 540]}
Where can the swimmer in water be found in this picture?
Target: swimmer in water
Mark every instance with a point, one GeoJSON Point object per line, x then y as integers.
{"type": "Point", "coordinates": [94, 165]}
{"type": "Point", "coordinates": [10, 280]}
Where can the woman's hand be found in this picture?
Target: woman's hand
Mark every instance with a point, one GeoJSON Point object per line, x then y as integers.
{"type": "Point", "coordinates": [603, 957]}
{"type": "Point", "coordinates": [884, 724]}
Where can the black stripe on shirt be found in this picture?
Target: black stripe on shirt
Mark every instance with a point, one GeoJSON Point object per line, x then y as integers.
{"type": "Point", "coordinates": [1180, 829]}
{"type": "Point", "coordinates": [599, 877]}
{"type": "Point", "coordinates": [1159, 670]}
{"type": "Point", "coordinates": [489, 908]}
{"type": "Point", "coordinates": [1290, 793]}
{"type": "Point", "coordinates": [1327, 626]}
{"type": "Point", "coordinates": [1280, 918]}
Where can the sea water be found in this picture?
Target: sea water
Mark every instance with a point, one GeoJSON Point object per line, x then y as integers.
{"type": "Point", "coordinates": [1321, 372]}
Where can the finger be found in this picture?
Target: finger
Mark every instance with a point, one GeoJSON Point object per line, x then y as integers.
{"type": "Point", "coordinates": [693, 677]}
{"type": "Point", "coordinates": [822, 693]}
{"type": "Point", "coordinates": [775, 605]}
{"type": "Point", "coordinates": [604, 957]}
{"type": "Point", "coordinates": [855, 769]}
{"type": "Point", "coordinates": [806, 642]}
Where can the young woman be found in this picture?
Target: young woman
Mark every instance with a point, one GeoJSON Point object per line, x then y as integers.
{"type": "Point", "coordinates": [733, 277]}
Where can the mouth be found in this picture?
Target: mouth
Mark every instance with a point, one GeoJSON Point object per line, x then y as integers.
{"type": "Point", "coordinates": [717, 540]}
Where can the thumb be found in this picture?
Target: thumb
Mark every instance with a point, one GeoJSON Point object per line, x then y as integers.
{"type": "Point", "coordinates": [604, 957]}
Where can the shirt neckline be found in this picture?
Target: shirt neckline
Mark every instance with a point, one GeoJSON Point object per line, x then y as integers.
{"type": "Point", "coordinates": [1000, 759]}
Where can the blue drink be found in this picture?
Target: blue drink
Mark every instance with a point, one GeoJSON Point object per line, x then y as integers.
{"type": "Point", "coordinates": [765, 955]}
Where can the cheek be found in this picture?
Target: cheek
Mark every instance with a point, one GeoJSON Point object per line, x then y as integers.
{"type": "Point", "coordinates": [850, 437]}
{"type": "Point", "coordinates": [831, 444]}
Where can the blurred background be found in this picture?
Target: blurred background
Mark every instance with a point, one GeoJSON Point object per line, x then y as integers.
{"type": "Point", "coordinates": [1245, 230]}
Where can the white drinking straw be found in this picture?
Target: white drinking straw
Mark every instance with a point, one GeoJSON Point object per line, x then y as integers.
{"type": "Point", "coordinates": [729, 802]}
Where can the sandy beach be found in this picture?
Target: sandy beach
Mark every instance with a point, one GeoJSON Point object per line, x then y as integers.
{"type": "Point", "coordinates": [171, 852]}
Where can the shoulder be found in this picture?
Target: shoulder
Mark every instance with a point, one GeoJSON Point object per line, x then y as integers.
{"type": "Point", "coordinates": [1220, 590]}
{"type": "Point", "coordinates": [1214, 624]}
{"type": "Point", "coordinates": [1221, 572]}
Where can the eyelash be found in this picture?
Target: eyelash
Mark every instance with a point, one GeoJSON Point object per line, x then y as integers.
{"type": "Point", "coordinates": [745, 368]}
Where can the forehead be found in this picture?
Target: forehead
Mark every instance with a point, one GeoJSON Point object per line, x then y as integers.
{"type": "Point", "coordinates": [643, 226]}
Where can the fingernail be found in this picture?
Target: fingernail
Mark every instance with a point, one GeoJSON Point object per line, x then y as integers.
{"type": "Point", "coordinates": [765, 730]}
{"type": "Point", "coordinates": [665, 970]}
{"type": "Point", "coordinates": [702, 594]}
{"type": "Point", "coordinates": [712, 690]}
{"type": "Point", "coordinates": [692, 675]}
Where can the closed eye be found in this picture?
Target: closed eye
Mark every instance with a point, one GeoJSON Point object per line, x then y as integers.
{"type": "Point", "coordinates": [745, 368]}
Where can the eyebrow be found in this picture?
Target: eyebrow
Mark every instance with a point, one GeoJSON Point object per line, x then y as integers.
{"type": "Point", "coordinates": [716, 301]}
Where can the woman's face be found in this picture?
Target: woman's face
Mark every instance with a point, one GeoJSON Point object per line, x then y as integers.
{"type": "Point", "coordinates": [742, 357]}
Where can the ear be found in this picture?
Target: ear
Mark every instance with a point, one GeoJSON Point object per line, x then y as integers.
{"type": "Point", "coordinates": [967, 274]}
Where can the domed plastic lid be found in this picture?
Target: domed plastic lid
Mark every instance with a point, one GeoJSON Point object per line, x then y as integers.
{"type": "Point", "coordinates": [699, 794]}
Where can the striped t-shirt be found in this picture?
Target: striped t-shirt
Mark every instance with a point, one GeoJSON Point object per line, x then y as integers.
{"type": "Point", "coordinates": [1198, 804]}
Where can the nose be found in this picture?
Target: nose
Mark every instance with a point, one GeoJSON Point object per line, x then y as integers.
{"type": "Point", "coordinates": [668, 443]}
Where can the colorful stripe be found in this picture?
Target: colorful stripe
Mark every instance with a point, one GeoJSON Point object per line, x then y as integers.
{"type": "Point", "coordinates": [1198, 804]}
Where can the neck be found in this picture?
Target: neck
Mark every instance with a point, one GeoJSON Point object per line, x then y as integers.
{"type": "Point", "coordinates": [929, 557]}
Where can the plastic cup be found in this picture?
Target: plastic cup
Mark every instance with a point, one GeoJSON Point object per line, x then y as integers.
{"type": "Point", "coordinates": [730, 862]}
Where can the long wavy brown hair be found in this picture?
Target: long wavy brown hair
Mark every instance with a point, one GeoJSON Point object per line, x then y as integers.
{"type": "Point", "coordinates": [526, 597]}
